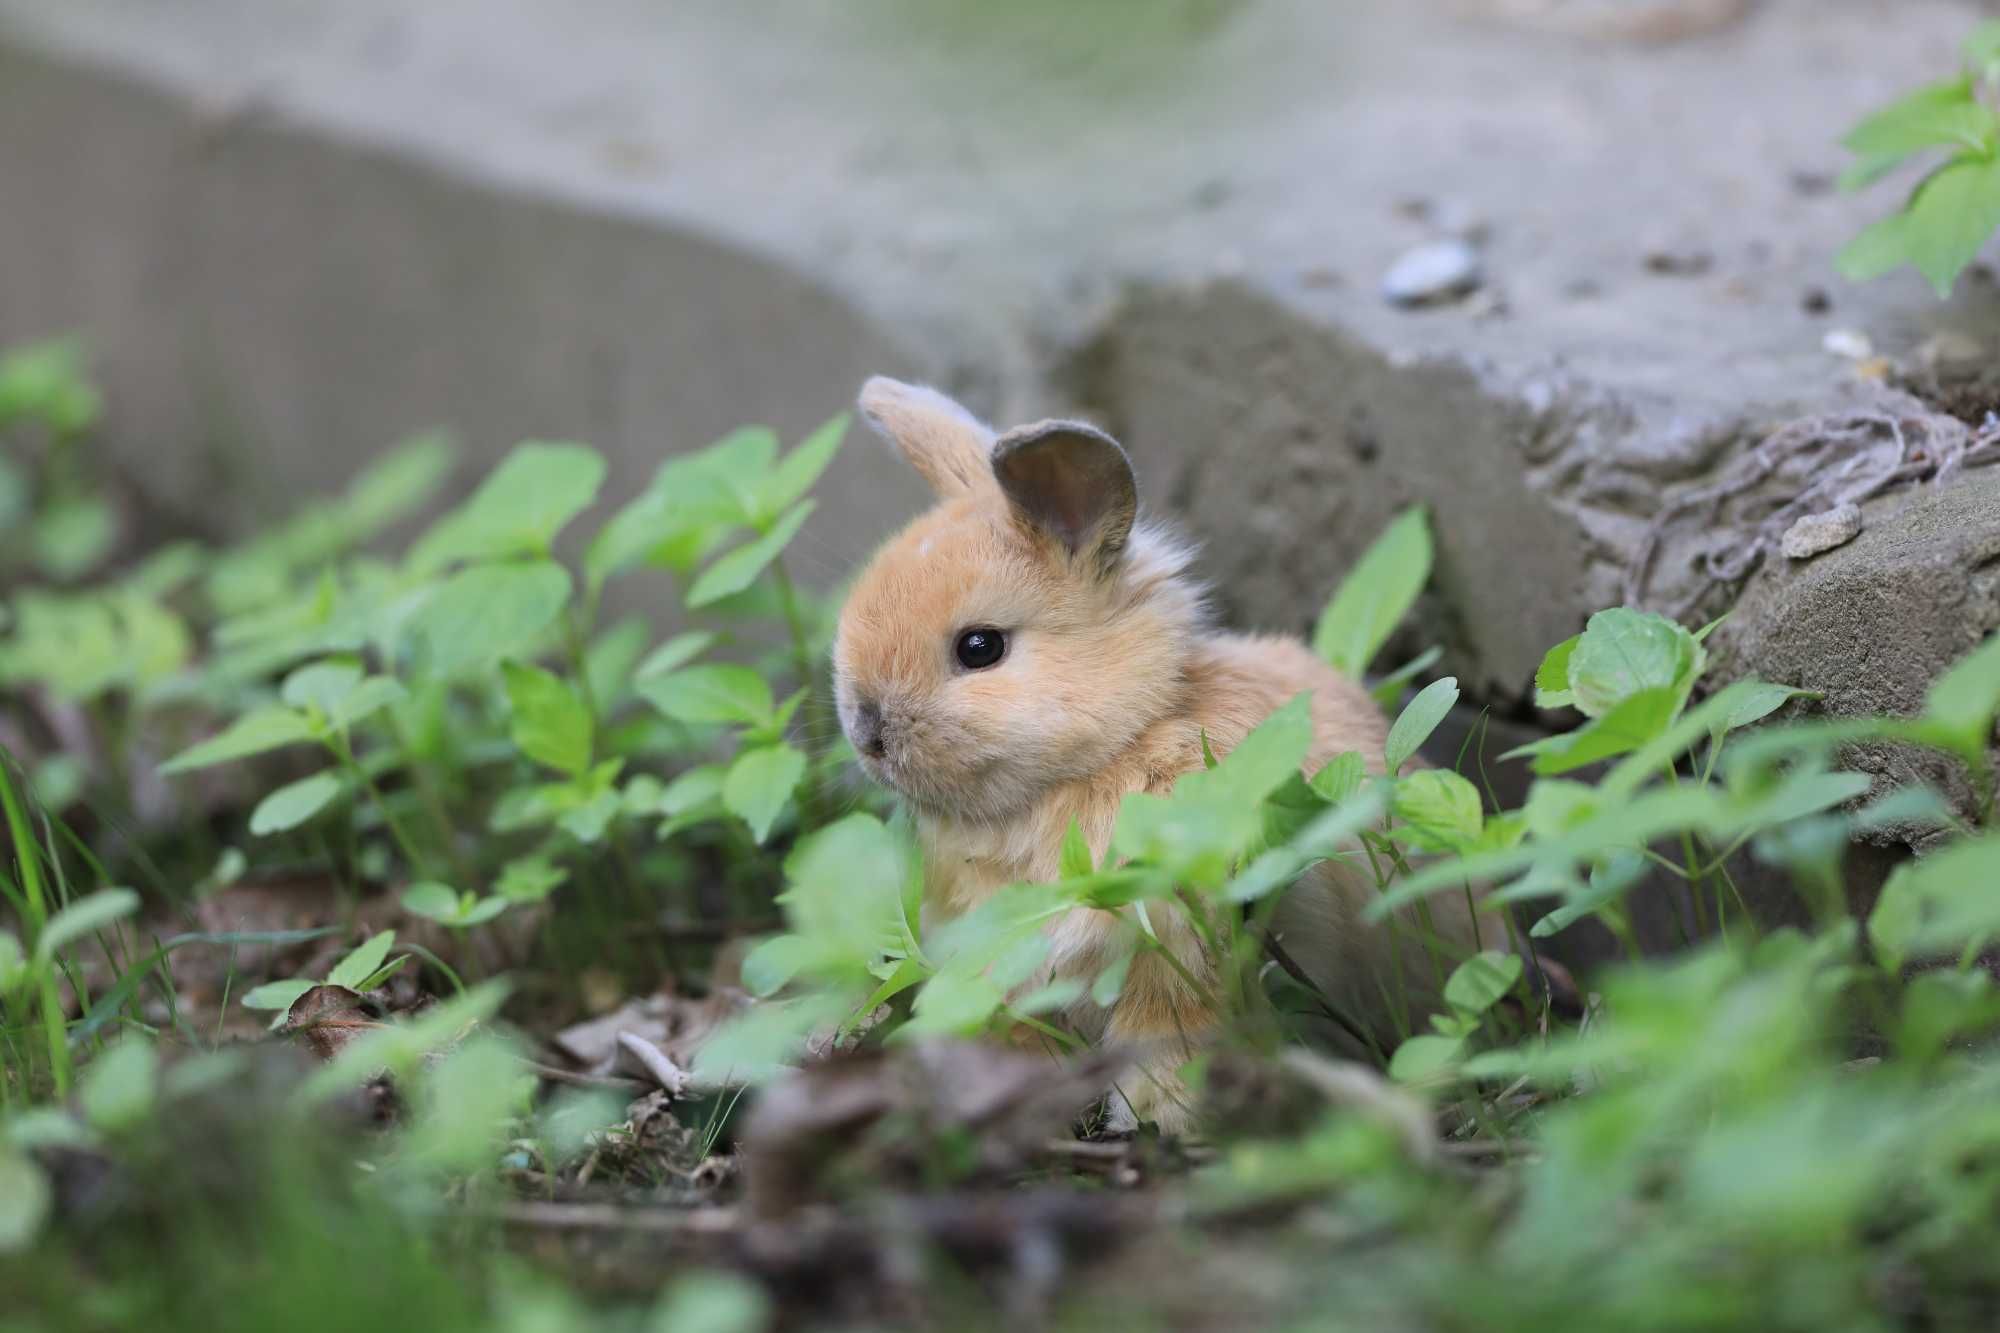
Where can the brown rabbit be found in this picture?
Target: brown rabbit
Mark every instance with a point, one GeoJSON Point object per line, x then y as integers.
{"type": "Point", "coordinates": [1030, 651]}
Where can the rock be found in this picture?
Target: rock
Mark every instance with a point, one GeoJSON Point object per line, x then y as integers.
{"type": "Point", "coordinates": [1851, 344]}
{"type": "Point", "coordinates": [393, 223]}
{"type": "Point", "coordinates": [1821, 532]}
{"type": "Point", "coordinates": [1431, 274]}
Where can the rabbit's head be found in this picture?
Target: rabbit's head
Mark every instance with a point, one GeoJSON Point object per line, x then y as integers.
{"type": "Point", "coordinates": [1021, 633]}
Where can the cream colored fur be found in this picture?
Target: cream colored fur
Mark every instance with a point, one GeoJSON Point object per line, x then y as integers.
{"type": "Point", "coordinates": [1108, 685]}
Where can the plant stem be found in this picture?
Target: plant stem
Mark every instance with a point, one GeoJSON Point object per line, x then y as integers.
{"type": "Point", "coordinates": [27, 856]}
{"type": "Point", "coordinates": [345, 754]}
{"type": "Point", "coordinates": [812, 802]}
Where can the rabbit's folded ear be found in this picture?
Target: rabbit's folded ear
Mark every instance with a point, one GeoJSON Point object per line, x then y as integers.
{"type": "Point", "coordinates": [1073, 483]}
{"type": "Point", "coordinates": [943, 441]}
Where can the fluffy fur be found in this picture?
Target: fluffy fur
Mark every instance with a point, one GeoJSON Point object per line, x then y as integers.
{"type": "Point", "coordinates": [1111, 676]}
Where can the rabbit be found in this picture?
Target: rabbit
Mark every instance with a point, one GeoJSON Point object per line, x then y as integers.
{"type": "Point", "coordinates": [1033, 649]}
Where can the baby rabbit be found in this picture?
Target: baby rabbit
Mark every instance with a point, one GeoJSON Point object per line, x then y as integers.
{"type": "Point", "coordinates": [1030, 651]}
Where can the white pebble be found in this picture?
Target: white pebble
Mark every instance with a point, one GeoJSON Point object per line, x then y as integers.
{"type": "Point", "coordinates": [1821, 532]}
{"type": "Point", "coordinates": [1439, 271]}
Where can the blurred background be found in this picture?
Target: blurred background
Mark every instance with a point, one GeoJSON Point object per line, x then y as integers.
{"type": "Point", "coordinates": [293, 232]}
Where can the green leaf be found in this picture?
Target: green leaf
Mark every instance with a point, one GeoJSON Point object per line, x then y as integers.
{"type": "Point", "coordinates": [489, 611]}
{"type": "Point", "coordinates": [551, 722]}
{"type": "Point", "coordinates": [396, 484]}
{"type": "Point", "coordinates": [1076, 858]}
{"type": "Point", "coordinates": [1375, 596]}
{"type": "Point", "coordinates": [768, 967]}
{"type": "Point", "coordinates": [1272, 751]}
{"type": "Point", "coordinates": [714, 693]}
{"type": "Point", "coordinates": [370, 696]}
{"type": "Point", "coordinates": [253, 733]}
{"type": "Point", "coordinates": [1942, 229]}
{"type": "Point", "coordinates": [529, 879]}
{"type": "Point", "coordinates": [1941, 903]}
{"type": "Point", "coordinates": [518, 509]}
{"type": "Point", "coordinates": [116, 1092]}
{"type": "Point", "coordinates": [1478, 983]}
{"type": "Point", "coordinates": [1424, 1058]}
{"type": "Point", "coordinates": [293, 804]}
{"type": "Point", "coordinates": [1552, 677]}
{"type": "Point", "coordinates": [25, 1200]}
{"type": "Point", "coordinates": [1388, 690]}
{"type": "Point", "coordinates": [428, 898]}
{"type": "Point", "coordinates": [798, 470]}
{"type": "Point", "coordinates": [361, 964]}
{"type": "Point", "coordinates": [759, 783]}
{"type": "Point", "coordinates": [675, 652]}
{"type": "Point", "coordinates": [86, 915]}
{"type": "Point", "coordinates": [692, 790]}
{"type": "Point", "coordinates": [1941, 115]}
{"type": "Point", "coordinates": [739, 569]}
{"type": "Point", "coordinates": [613, 657]}
{"type": "Point", "coordinates": [279, 995]}
{"type": "Point", "coordinates": [1418, 721]}
{"type": "Point", "coordinates": [711, 1302]}
{"type": "Point", "coordinates": [1341, 777]}
{"type": "Point", "coordinates": [1636, 720]}
{"type": "Point", "coordinates": [1622, 652]}
{"type": "Point", "coordinates": [1963, 702]}
{"type": "Point", "coordinates": [1440, 810]}
{"type": "Point", "coordinates": [480, 912]}
{"type": "Point", "coordinates": [321, 685]}
{"type": "Point", "coordinates": [1759, 702]}
{"type": "Point", "coordinates": [1109, 983]}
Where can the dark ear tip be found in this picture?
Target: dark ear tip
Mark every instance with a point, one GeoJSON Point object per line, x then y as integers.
{"type": "Point", "coordinates": [1049, 434]}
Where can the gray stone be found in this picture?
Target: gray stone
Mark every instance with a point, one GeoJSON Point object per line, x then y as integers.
{"type": "Point", "coordinates": [1439, 271]}
{"type": "Point", "coordinates": [1821, 532]}
{"type": "Point", "coordinates": [297, 230]}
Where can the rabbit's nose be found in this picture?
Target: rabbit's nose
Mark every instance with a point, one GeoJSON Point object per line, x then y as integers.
{"type": "Point", "coordinates": [867, 727]}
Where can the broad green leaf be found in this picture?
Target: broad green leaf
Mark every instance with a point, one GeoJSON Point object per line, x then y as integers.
{"type": "Point", "coordinates": [1375, 595]}
{"type": "Point", "coordinates": [361, 964]}
{"type": "Point", "coordinates": [768, 967]}
{"type": "Point", "coordinates": [675, 652]}
{"type": "Point", "coordinates": [1760, 702]}
{"type": "Point", "coordinates": [1277, 867]}
{"type": "Point", "coordinates": [25, 1200]}
{"type": "Point", "coordinates": [13, 962]}
{"type": "Point", "coordinates": [253, 733]}
{"type": "Point", "coordinates": [1341, 777]}
{"type": "Point", "coordinates": [72, 536]}
{"type": "Point", "coordinates": [1941, 903]}
{"type": "Point", "coordinates": [846, 889]}
{"type": "Point", "coordinates": [1622, 652]}
{"type": "Point", "coordinates": [739, 568]}
{"type": "Point", "coordinates": [1942, 229]}
{"type": "Point", "coordinates": [1965, 699]}
{"type": "Point", "coordinates": [712, 693]}
{"type": "Point", "coordinates": [1982, 50]}
{"type": "Point", "coordinates": [551, 722]}
{"type": "Point", "coordinates": [1478, 983]}
{"type": "Point", "coordinates": [1109, 983]}
{"type": "Point", "coordinates": [692, 790]}
{"type": "Point", "coordinates": [1635, 720]}
{"type": "Point", "coordinates": [480, 912]}
{"type": "Point", "coordinates": [1939, 116]}
{"type": "Point", "coordinates": [1418, 721]}
{"type": "Point", "coordinates": [587, 821]}
{"type": "Point", "coordinates": [1272, 752]}
{"type": "Point", "coordinates": [1440, 810]}
{"type": "Point", "coordinates": [1552, 677]}
{"type": "Point", "coordinates": [1424, 1058]}
{"type": "Point", "coordinates": [428, 898]}
{"type": "Point", "coordinates": [796, 472]}
{"type": "Point", "coordinates": [759, 783]}
{"type": "Point", "coordinates": [518, 509]}
{"type": "Point", "coordinates": [489, 611]}
{"type": "Point", "coordinates": [117, 1089]}
{"type": "Point", "coordinates": [88, 914]}
{"type": "Point", "coordinates": [710, 1302]}
{"type": "Point", "coordinates": [953, 1003]}
{"type": "Point", "coordinates": [529, 879]}
{"type": "Point", "coordinates": [1076, 859]}
{"type": "Point", "coordinates": [48, 381]}
{"type": "Point", "coordinates": [396, 484]}
{"type": "Point", "coordinates": [320, 685]}
{"type": "Point", "coordinates": [612, 659]}
{"type": "Point", "coordinates": [279, 995]}
{"type": "Point", "coordinates": [293, 804]}
{"type": "Point", "coordinates": [367, 698]}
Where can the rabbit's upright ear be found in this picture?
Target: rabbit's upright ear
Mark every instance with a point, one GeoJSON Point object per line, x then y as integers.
{"type": "Point", "coordinates": [943, 441]}
{"type": "Point", "coordinates": [1074, 484]}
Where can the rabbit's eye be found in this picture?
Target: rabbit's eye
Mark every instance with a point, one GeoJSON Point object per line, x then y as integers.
{"type": "Point", "coordinates": [978, 649]}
